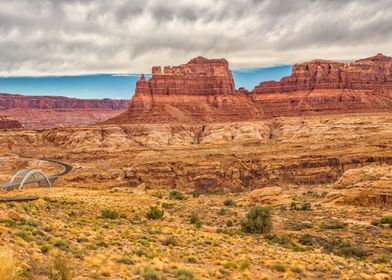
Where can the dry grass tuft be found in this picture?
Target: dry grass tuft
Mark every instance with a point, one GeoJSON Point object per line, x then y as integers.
{"type": "Point", "coordinates": [8, 267]}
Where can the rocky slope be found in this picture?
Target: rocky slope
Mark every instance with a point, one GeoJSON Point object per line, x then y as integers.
{"type": "Point", "coordinates": [55, 111]}
{"type": "Point", "coordinates": [203, 90]}
{"type": "Point", "coordinates": [7, 122]}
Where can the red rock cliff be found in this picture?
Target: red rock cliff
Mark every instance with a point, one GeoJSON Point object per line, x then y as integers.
{"type": "Point", "coordinates": [364, 74]}
{"type": "Point", "coordinates": [203, 91]}
{"type": "Point", "coordinates": [55, 111]}
{"type": "Point", "coordinates": [7, 122]}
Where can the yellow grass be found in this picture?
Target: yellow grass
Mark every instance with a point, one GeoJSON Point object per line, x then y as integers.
{"type": "Point", "coordinates": [8, 267]}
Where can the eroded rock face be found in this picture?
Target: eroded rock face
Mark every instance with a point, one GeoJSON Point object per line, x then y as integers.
{"type": "Point", "coordinates": [200, 90]}
{"type": "Point", "coordinates": [368, 186]}
{"type": "Point", "coordinates": [203, 91]}
{"type": "Point", "coordinates": [364, 74]}
{"type": "Point", "coordinates": [56, 111]}
{"type": "Point", "coordinates": [7, 122]}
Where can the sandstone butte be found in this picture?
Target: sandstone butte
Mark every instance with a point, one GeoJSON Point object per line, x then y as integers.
{"type": "Point", "coordinates": [7, 122]}
{"type": "Point", "coordinates": [203, 90]}
{"type": "Point", "coordinates": [55, 111]}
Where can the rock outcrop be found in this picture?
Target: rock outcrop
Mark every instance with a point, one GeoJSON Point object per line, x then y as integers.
{"type": "Point", "coordinates": [56, 111]}
{"type": "Point", "coordinates": [369, 186]}
{"type": "Point", "coordinates": [203, 91]}
{"type": "Point", "coordinates": [7, 122]}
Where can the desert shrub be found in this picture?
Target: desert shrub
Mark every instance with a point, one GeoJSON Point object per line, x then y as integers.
{"type": "Point", "coordinates": [352, 251]}
{"type": "Point", "coordinates": [293, 205]}
{"type": "Point", "coordinates": [306, 239]}
{"type": "Point", "coordinates": [155, 213]}
{"type": "Point", "coordinates": [300, 226]}
{"type": "Point", "coordinates": [123, 216]}
{"type": "Point", "coordinates": [258, 220]}
{"type": "Point", "coordinates": [159, 195]}
{"type": "Point", "coordinates": [25, 235]}
{"type": "Point", "coordinates": [60, 269]}
{"type": "Point", "coordinates": [199, 224]}
{"type": "Point", "coordinates": [296, 269]}
{"type": "Point", "coordinates": [8, 267]}
{"type": "Point", "coordinates": [167, 205]}
{"type": "Point", "coordinates": [184, 274]}
{"type": "Point", "coordinates": [285, 241]}
{"type": "Point", "coordinates": [150, 273]}
{"type": "Point", "coordinates": [169, 241]}
{"type": "Point", "coordinates": [387, 220]}
{"type": "Point", "coordinates": [333, 224]}
{"type": "Point", "coordinates": [191, 259]}
{"type": "Point", "coordinates": [195, 194]}
{"type": "Point", "coordinates": [229, 223]}
{"type": "Point", "coordinates": [244, 264]}
{"type": "Point", "coordinates": [45, 248]}
{"type": "Point", "coordinates": [125, 260]}
{"type": "Point", "coordinates": [230, 265]}
{"type": "Point", "coordinates": [222, 212]}
{"type": "Point", "coordinates": [382, 259]}
{"type": "Point", "coordinates": [306, 206]}
{"type": "Point", "coordinates": [194, 218]}
{"type": "Point", "coordinates": [9, 222]}
{"type": "Point", "coordinates": [278, 267]}
{"type": "Point", "coordinates": [229, 202]}
{"type": "Point", "coordinates": [109, 214]}
{"type": "Point", "coordinates": [61, 244]}
{"type": "Point", "coordinates": [177, 195]}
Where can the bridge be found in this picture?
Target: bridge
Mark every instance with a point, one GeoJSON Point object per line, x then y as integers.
{"type": "Point", "coordinates": [36, 176]}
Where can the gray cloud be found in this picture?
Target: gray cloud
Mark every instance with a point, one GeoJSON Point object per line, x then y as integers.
{"type": "Point", "coordinates": [54, 37]}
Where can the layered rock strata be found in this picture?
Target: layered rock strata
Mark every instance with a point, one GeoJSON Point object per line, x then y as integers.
{"type": "Point", "coordinates": [56, 111]}
{"type": "Point", "coordinates": [203, 91]}
{"type": "Point", "coordinates": [7, 122]}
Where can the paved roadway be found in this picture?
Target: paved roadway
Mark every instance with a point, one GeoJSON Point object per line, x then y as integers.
{"type": "Point", "coordinates": [66, 169]}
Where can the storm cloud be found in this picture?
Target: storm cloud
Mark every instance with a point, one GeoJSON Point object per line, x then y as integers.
{"type": "Point", "coordinates": [65, 37]}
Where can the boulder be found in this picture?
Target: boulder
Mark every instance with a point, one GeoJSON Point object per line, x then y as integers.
{"type": "Point", "coordinates": [269, 196]}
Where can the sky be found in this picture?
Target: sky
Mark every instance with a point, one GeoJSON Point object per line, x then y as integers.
{"type": "Point", "coordinates": [88, 38]}
{"type": "Point", "coordinates": [117, 86]}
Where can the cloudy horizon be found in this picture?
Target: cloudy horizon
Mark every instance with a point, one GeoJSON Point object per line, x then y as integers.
{"type": "Point", "coordinates": [73, 37]}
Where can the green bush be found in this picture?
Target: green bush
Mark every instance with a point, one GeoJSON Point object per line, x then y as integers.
{"type": "Point", "coordinates": [194, 218]}
{"type": "Point", "coordinates": [184, 274]}
{"type": "Point", "coordinates": [258, 220]}
{"type": "Point", "coordinates": [306, 206]}
{"type": "Point", "coordinates": [293, 205]}
{"type": "Point", "coordinates": [167, 205]}
{"type": "Point", "coordinates": [150, 273]}
{"type": "Point", "coordinates": [333, 224]}
{"type": "Point", "coordinates": [229, 203]}
{"type": "Point", "coordinates": [352, 251]}
{"type": "Point", "coordinates": [109, 214]}
{"type": "Point", "coordinates": [177, 195]}
{"type": "Point", "coordinates": [60, 269]}
{"type": "Point", "coordinates": [244, 264]}
{"type": "Point", "coordinates": [191, 259]}
{"type": "Point", "coordinates": [222, 212]}
{"type": "Point", "coordinates": [279, 267]}
{"type": "Point", "coordinates": [229, 223]}
{"type": "Point", "coordinates": [306, 239]}
{"type": "Point", "coordinates": [387, 220]}
{"type": "Point", "coordinates": [45, 248]}
{"type": "Point", "coordinates": [155, 213]}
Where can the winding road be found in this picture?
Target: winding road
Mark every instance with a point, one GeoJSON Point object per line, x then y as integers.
{"type": "Point", "coordinates": [66, 169]}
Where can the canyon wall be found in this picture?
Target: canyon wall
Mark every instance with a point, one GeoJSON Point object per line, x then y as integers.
{"type": "Point", "coordinates": [7, 122]}
{"type": "Point", "coordinates": [203, 90]}
{"type": "Point", "coordinates": [56, 111]}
